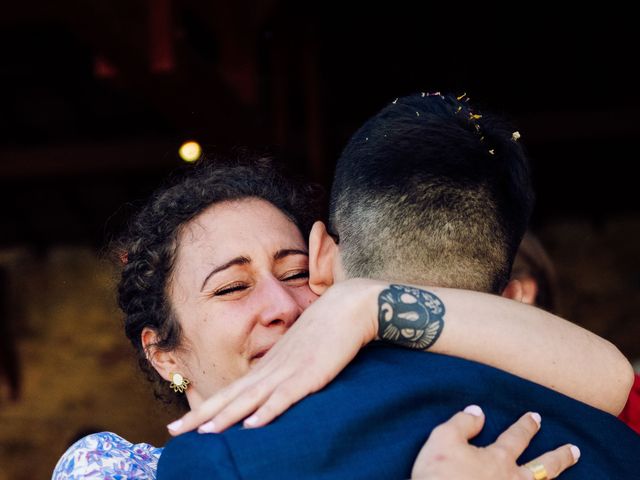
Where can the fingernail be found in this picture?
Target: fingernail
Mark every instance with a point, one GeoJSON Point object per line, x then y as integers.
{"type": "Point", "coordinates": [173, 426]}
{"type": "Point", "coordinates": [208, 427]}
{"type": "Point", "coordinates": [575, 451]}
{"type": "Point", "coordinates": [474, 410]}
{"type": "Point", "coordinates": [536, 418]}
{"type": "Point", "coordinates": [251, 421]}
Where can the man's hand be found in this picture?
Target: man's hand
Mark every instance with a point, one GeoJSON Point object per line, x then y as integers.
{"type": "Point", "coordinates": [447, 453]}
{"type": "Point", "coordinates": [326, 337]}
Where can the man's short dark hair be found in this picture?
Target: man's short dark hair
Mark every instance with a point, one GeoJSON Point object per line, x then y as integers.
{"type": "Point", "coordinates": [429, 191]}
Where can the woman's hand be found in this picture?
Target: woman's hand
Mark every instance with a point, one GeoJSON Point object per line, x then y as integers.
{"type": "Point", "coordinates": [447, 453]}
{"type": "Point", "coordinates": [325, 338]}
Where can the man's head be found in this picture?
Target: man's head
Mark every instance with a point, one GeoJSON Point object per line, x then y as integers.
{"type": "Point", "coordinates": [430, 192]}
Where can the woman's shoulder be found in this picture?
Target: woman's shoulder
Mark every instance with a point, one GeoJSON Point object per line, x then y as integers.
{"type": "Point", "coordinates": [106, 454]}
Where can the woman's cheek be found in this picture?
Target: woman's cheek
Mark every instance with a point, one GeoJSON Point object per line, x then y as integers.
{"type": "Point", "coordinates": [310, 298]}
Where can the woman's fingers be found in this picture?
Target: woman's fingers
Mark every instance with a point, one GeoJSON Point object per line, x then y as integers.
{"type": "Point", "coordinates": [266, 401]}
{"type": "Point", "coordinates": [209, 408]}
{"type": "Point", "coordinates": [554, 462]}
{"type": "Point", "coordinates": [449, 444]}
{"type": "Point", "coordinates": [462, 426]}
{"type": "Point", "coordinates": [239, 400]}
{"type": "Point", "coordinates": [241, 407]}
{"type": "Point", "coordinates": [515, 439]}
{"type": "Point", "coordinates": [286, 394]}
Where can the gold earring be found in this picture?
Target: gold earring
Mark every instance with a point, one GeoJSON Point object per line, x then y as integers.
{"type": "Point", "coordinates": [178, 383]}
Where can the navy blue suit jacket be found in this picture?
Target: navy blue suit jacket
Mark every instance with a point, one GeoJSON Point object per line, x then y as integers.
{"type": "Point", "coordinates": [373, 419]}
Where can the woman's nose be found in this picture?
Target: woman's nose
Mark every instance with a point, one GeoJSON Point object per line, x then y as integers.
{"type": "Point", "coordinates": [279, 305]}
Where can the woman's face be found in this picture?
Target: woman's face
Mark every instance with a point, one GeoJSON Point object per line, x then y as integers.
{"type": "Point", "coordinates": [239, 282]}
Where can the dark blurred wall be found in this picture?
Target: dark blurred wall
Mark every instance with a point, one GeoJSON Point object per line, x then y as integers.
{"type": "Point", "coordinates": [97, 96]}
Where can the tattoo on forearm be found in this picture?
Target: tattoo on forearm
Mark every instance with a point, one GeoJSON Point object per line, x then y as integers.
{"type": "Point", "coordinates": [409, 316]}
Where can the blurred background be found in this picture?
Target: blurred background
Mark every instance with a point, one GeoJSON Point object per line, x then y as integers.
{"type": "Point", "coordinates": [97, 96]}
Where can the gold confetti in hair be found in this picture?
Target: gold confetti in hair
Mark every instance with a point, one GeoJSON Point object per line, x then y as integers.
{"type": "Point", "coordinates": [473, 119]}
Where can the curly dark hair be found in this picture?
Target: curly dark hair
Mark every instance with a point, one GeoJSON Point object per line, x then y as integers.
{"type": "Point", "coordinates": [149, 245]}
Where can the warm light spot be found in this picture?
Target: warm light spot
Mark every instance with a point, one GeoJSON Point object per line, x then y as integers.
{"type": "Point", "coordinates": [190, 151]}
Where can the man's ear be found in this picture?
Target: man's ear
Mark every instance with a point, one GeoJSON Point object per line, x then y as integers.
{"type": "Point", "coordinates": [529, 290]}
{"type": "Point", "coordinates": [164, 362]}
{"type": "Point", "coordinates": [322, 254]}
{"type": "Point", "coordinates": [513, 290]}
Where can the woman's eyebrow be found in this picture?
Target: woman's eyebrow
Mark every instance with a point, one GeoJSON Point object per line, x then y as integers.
{"type": "Point", "coordinates": [230, 263]}
{"type": "Point", "coordinates": [280, 254]}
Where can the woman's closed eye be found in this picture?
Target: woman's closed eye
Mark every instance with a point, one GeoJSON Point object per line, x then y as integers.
{"type": "Point", "coordinates": [297, 275]}
{"type": "Point", "coordinates": [229, 289]}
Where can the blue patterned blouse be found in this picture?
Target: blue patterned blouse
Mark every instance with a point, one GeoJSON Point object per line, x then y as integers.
{"type": "Point", "coordinates": [107, 456]}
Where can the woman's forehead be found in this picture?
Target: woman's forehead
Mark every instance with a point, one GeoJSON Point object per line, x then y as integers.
{"type": "Point", "coordinates": [239, 226]}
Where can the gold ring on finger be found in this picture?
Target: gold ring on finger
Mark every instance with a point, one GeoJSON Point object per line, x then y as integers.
{"type": "Point", "coordinates": [538, 470]}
